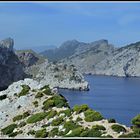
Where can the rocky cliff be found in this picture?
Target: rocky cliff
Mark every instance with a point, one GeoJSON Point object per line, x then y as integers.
{"type": "Point", "coordinates": [10, 67]}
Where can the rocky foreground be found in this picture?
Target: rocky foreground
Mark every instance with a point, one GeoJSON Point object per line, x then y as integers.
{"type": "Point", "coordinates": [30, 110]}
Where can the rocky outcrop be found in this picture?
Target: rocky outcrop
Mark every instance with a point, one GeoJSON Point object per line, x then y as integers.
{"type": "Point", "coordinates": [33, 111]}
{"type": "Point", "coordinates": [29, 57]}
{"type": "Point", "coordinates": [61, 75]}
{"type": "Point", "coordinates": [10, 67]}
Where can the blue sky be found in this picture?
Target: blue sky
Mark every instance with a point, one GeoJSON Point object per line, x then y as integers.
{"type": "Point", "coordinates": [35, 24]}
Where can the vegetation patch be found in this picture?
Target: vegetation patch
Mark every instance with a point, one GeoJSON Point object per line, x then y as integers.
{"type": "Point", "coordinates": [67, 112]}
{"type": "Point", "coordinates": [46, 90]}
{"type": "Point", "coordinates": [57, 121]}
{"type": "Point", "coordinates": [136, 120]}
{"type": "Point", "coordinates": [118, 128]}
{"type": "Point", "coordinates": [41, 133]}
{"type": "Point", "coordinates": [53, 132]}
{"type": "Point", "coordinates": [98, 127]}
{"type": "Point", "coordinates": [111, 120]}
{"type": "Point", "coordinates": [22, 124]}
{"type": "Point", "coordinates": [55, 101]}
{"type": "Point", "coordinates": [20, 117]}
{"type": "Point", "coordinates": [9, 129]}
{"type": "Point", "coordinates": [24, 91]}
{"type": "Point", "coordinates": [35, 103]}
{"type": "Point", "coordinates": [2, 97]}
{"type": "Point", "coordinates": [37, 117]}
{"type": "Point", "coordinates": [13, 134]}
{"type": "Point", "coordinates": [91, 116]}
{"type": "Point", "coordinates": [31, 132]}
{"type": "Point", "coordinates": [39, 95]}
{"type": "Point", "coordinates": [51, 114]}
{"type": "Point", "coordinates": [78, 119]}
{"type": "Point", "coordinates": [80, 108]}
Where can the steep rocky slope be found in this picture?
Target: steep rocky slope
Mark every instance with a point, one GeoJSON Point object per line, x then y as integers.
{"type": "Point", "coordinates": [39, 112]}
{"type": "Point", "coordinates": [11, 68]}
{"type": "Point", "coordinates": [125, 61]}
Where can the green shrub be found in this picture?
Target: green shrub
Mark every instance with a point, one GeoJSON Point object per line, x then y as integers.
{"type": "Point", "coordinates": [51, 114]}
{"type": "Point", "coordinates": [67, 112]}
{"type": "Point", "coordinates": [9, 129]}
{"type": "Point", "coordinates": [45, 125]}
{"type": "Point", "coordinates": [98, 127]}
{"type": "Point", "coordinates": [24, 91]}
{"type": "Point", "coordinates": [46, 90]}
{"type": "Point", "coordinates": [35, 103]}
{"type": "Point", "coordinates": [70, 125]}
{"type": "Point", "coordinates": [75, 132]}
{"type": "Point", "coordinates": [2, 97]}
{"type": "Point", "coordinates": [91, 133]}
{"type": "Point", "coordinates": [17, 118]}
{"type": "Point", "coordinates": [22, 124]}
{"type": "Point", "coordinates": [78, 119]}
{"type": "Point", "coordinates": [26, 114]}
{"type": "Point", "coordinates": [37, 117]}
{"type": "Point", "coordinates": [13, 134]}
{"type": "Point", "coordinates": [111, 120]}
{"type": "Point", "coordinates": [130, 135]}
{"type": "Point", "coordinates": [118, 128]}
{"type": "Point", "coordinates": [91, 116]}
{"type": "Point", "coordinates": [80, 108]}
{"type": "Point", "coordinates": [31, 132]}
{"type": "Point", "coordinates": [55, 101]}
{"type": "Point", "coordinates": [53, 132]}
{"type": "Point", "coordinates": [41, 133]}
{"type": "Point", "coordinates": [136, 120]}
{"type": "Point", "coordinates": [48, 104]}
{"type": "Point", "coordinates": [20, 117]}
{"type": "Point", "coordinates": [39, 95]}
{"type": "Point", "coordinates": [57, 121]}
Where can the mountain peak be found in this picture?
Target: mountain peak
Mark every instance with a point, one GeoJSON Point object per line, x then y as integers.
{"type": "Point", "coordinates": [7, 43]}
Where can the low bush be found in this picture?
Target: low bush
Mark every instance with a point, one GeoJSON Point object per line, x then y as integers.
{"type": "Point", "coordinates": [91, 133]}
{"type": "Point", "coordinates": [20, 117]}
{"type": "Point", "coordinates": [78, 119]}
{"type": "Point", "coordinates": [57, 121]}
{"type": "Point", "coordinates": [80, 108]}
{"type": "Point", "coordinates": [13, 134]}
{"type": "Point", "coordinates": [91, 116]}
{"type": "Point", "coordinates": [48, 104]}
{"type": "Point", "coordinates": [31, 132]}
{"type": "Point", "coordinates": [2, 97]}
{"type": "Point", "coordinates": [136, 120]}
{"type": "Point", "coordinates": [37, 117]}
{"type": "Point", "coordinates": [67, 112]}
{"type": "Point", "coordinates": [51, 114]}
{"type": "Point", "coordinates": [98, 127]}
{"type": "Point", "coordinates": [53, 132]}
{"type": "Point", "coordinates": [22, 124]}
{"type": "Point", "coordinates": [75, 132]}
{"type": "Point", "coordinates": [41, 133]}
{"type": "Point", "coordinates": [111, 120]}
{"type": "Point", "coordinates": [35, 103]}
{"type": "Point", "coordinates": [39, 95]}
{"type": "Point", "coordinates": [118, 128]}
{"type": "Point", "coordinates": [46, 90]}
{"type": "Point", "coordinates": [24, 91]}
{"type": "Point", "coordinates": [9, 129]}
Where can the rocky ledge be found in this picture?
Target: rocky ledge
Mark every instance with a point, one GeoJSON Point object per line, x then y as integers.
{"type": "Point", "coordinates": [28, 110]}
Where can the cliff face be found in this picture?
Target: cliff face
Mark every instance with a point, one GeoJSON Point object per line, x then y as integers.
{"type": "Point", "coordinates": [10, 67]}
{"type": "Point", "coordinates": [125, 61]}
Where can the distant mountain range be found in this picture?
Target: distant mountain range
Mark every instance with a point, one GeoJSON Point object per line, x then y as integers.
{"type": "Point", "coordinates": [99, 57]}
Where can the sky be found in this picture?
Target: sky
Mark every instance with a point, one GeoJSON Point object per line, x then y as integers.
{"type": "Point", "coordinates": [35, 25]}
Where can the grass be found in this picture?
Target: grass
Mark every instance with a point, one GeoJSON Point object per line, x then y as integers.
{"type": "Point", "coordinates": [37, 117]}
